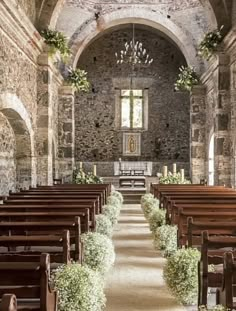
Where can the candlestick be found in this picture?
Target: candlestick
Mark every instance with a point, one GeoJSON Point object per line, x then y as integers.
{"type": "Point", "coordinates": [95, 170]}
{"type": "Point", "coordinates": [165, 168]}
{"type": "Point", "coordinates": [182, 175]}
{"type": "Point", "coordinates": [80, 165]}
{"type": "Point", "coordinates": [174, 169]}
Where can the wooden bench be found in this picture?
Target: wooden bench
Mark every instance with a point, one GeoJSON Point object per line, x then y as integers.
{"type": "Point", "coordinates": [40, 242]}
{"type": "Point", "coordinates": [212, 251]}
{"type": "Point", "coordinates": [8, 303]}
{"type": "Point", "coordinates": [47, 228]}
{"type": "Point", "coordinates": [29, 282]}
{"type": "Point", "coordinates": [227, 291]}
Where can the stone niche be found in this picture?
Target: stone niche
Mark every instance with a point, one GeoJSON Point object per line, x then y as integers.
{"type": "Point", "coordinates": [97, 137]}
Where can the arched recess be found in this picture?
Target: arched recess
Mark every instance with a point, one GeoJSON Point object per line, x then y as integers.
{"type": "Point", "coordinates": [18, 118]}
{"type": "Point", "coordinates": [211, 161]}
{"type": "Point", "coordinates": [48, 12]}
{"type": "Point", "coordinates": [85, 35]}
{"type": "Point", "coordinates": [219, 13]}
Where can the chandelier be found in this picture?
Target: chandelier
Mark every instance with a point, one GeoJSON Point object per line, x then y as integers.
{"type": "Point", "coordinates": [134, 54]}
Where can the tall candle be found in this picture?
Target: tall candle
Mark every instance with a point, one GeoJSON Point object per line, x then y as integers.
{"type": "Point", "coordinates": [174, 169]}
{"type": "Point", "coordinates": [165, 171]}
{"type": "Point", "coordinates": [80, 165]}
{"type": "Point", "coordinates": [182, 174]}
{"type": "Point", "coordinates": [95, 170]}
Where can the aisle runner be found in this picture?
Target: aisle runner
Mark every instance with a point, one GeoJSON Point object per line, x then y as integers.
{"type": "Point", "coordinates": [135, 283]}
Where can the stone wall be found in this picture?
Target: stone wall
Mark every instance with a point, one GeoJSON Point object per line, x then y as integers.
{"type": "Point", "coordinates": [29, 7]}
{"type": "Point", "coordinates": [97, 138]}
{"type": "Point", "coordinates": [7, 157]}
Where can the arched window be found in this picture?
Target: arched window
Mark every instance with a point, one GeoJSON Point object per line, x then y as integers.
{"type": "Point", "coordinates": [211, 161]}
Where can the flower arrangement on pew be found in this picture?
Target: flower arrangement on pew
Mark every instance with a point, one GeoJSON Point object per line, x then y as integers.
{"type": "Point", "coordinates": [165, 238]}
{"type": "Point", "coordinates": [149, 204]}
{"type": "Point", "coordinates": [180, 274]}
{"type": "Point", "coordinates": [79, 288]}
{"type": "Point", "coordinates": [98, 252]}
{"type": "Point", "coordinates": [104, 225]}
{"type": "Point", "coordinates": [157, 219]}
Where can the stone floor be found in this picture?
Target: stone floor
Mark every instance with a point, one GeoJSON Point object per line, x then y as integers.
{"type": "Point", "coordinates": [135, 283]}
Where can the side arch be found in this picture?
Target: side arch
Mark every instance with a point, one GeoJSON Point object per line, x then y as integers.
{"type": "Point", "coordinates": [16, 114]}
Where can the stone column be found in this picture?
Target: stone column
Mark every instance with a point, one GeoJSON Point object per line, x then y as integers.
{"type": "Point", "coordinates": [49, 80]}
{"type": "Point", "coordinates": [66, 132]}
{"type": "Point", "coordinates": [222, 122]}
{"type": "Point", "coordinates": [197, 141]}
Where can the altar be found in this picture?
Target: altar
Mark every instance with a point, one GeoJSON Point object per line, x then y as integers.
{"type": "Point", "coordinates": [132, 168]}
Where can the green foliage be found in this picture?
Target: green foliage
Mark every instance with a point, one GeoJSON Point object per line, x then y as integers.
{"type": "Point", "coordinates": [156, 219]}
{"type": "Point", "coordinates": [98, 252]}
{"type": "Point", "coordinates": [165, 238]}
{"type": "Point", "coordinates": [149, 204]}
{"type": "Point", "coordinates": [112, 212]}
{"type": "Point", "coordinates": [173, 179]}
{"type": "Point", "coordinates": [118, 195]}
{"type": "Point", "coordinates": [80, 177]}
{"type": "Point", "coordinates": [210, 43]}
{"type": "Point", "coordinates": [79, 288]}
{"type": "Point", "coordinates": [78, 79]}
{"type": "Point", "coordinates": [104, 225]}
{"type": "Point", "coordinates": [187, 78]}
{"type": "Point", "coordinates": [56, 41]}
{"type": "Point", "coordinates": [180, 274]}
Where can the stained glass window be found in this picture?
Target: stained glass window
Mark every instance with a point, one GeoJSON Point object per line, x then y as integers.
{"type": "Point", "coordinates": [132, 109]}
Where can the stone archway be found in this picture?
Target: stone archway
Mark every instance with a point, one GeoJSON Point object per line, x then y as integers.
{"type": "Point", "coordinates": [85, 35]}
{"type": "Point", "coordinates": [17, 118]}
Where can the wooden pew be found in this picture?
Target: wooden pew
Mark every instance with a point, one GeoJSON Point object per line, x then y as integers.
{"type": "Point", "coordinates": [30, 282]}
{"type": "Point", "coordinates": [8, 303]}
{"type": "Point", "coordinates": [212, 251]}
{"type": "Point", "coordinates": [195, 229]}
{"type": "Point", "coordinates": [200, 216]}
{"type": "Point", "coordinates": [57, 212]}
{"type": "Point", "coordinates": [227, 292]}
{"type": "Point", "coordinates": [47, 228]}
{"type": "Point", "coordinates": [41, 241]}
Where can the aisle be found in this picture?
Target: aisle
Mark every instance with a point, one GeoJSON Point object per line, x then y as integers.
{"type": "Point", "coordinates": [135, 283]}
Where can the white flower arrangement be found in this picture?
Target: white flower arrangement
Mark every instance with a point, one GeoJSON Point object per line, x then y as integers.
{"type": "Point", "coordinates": [114, 200]}
{"type": "Point", "coordinates": [79, 288]}
{"type": "Point", "coordinates": [146, 197]}
{"type": "Point", "coordinates": [112, 212]}
{"type": "Point", "coordinates": [98, 252]}
{"type": "Point", "coordinates": [118, 195]}
{"type": "Point", "coordinates": [173, 179]}
{"type": "Point", "coordinates": [180, 274]}
{"type": "Point", "coordinates": [165, 238]}
{"type": "Point", "coordinates": [104, 225]}
{"type": "Point", "coordinates": [156, 219]}
{"type": "Point", "coordinates": [149, 205]}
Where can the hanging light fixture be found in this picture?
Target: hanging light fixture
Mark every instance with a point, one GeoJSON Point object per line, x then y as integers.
{"type": "Point", "coordinates": [134, 54]}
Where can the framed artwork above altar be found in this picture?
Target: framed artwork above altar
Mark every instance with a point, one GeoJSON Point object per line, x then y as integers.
{"type": "Point", "coordinates": [131, 144]}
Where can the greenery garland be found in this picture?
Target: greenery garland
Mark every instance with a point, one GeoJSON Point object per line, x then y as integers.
{"type": "Point", "coordinates": [79, 288]}
{"type": "Point", "coordinates": [78, 79]}
{"type": "Point", "coordinates": [56, 42]}
{"type": "Point", "coordinates": [210, 43]}
{"type": "Point", "coordinates": [187, 78]}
